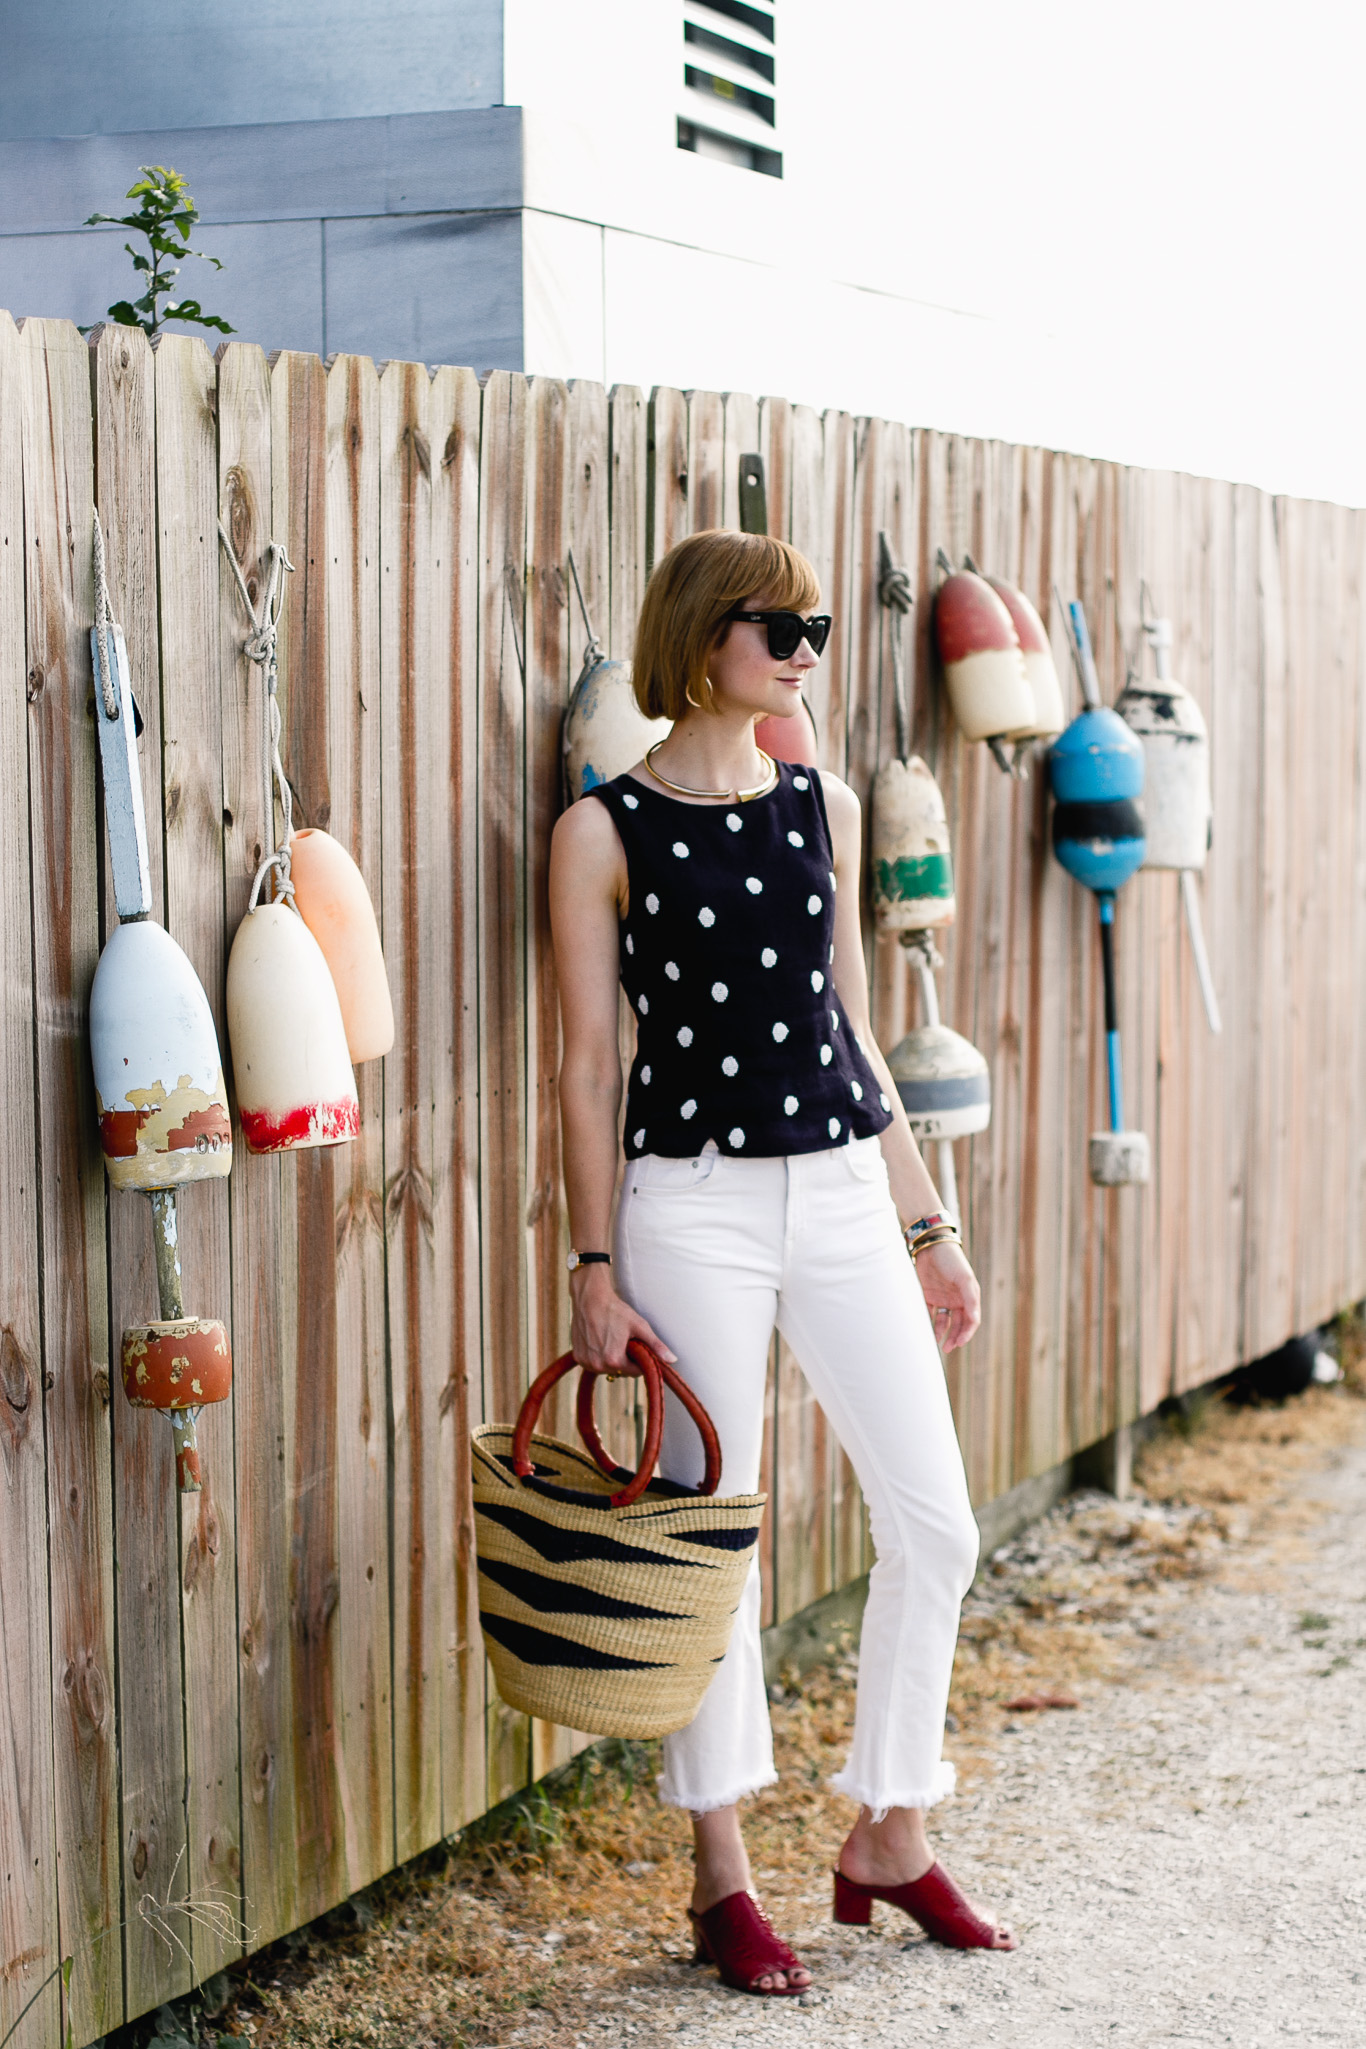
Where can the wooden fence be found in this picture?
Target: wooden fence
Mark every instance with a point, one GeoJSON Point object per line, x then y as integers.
{"type": "Point", "coordinates": [219, 1714]}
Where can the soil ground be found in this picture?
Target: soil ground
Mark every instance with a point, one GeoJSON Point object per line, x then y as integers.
{"type": "Point", "coordinates": [1182, 1854]}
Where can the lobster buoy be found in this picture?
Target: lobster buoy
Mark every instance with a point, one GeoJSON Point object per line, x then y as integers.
{"type": "Point", "coordinates": [943, 1082]}
{"type": "Point", "coordinates": [176, 1365]}
{"type": "Point", "coordinates": [984, 667]}
{"type": "Point", "coordinates": [1175, 741]}
{"type": "Point", "coordinates": [290, 1064]}
{"type": "Point", "coordinates": [605, 731]}
{"type": "Point", "coordinates": [159, 1091]}
{"type": "Point", "coordinates": [331, 897]}
{"type": "Point", "coordinates": [911, 861]}
{"type": "Point", "coordinates": [1049, 716]}
{"type": "Point", "coordinates": [1096, 770]}
{"type": "Point", "coordinates": [792, 739]}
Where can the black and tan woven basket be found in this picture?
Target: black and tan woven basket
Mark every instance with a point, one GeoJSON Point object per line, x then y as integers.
{"type": "Point", "coordinates": [605, 1606]}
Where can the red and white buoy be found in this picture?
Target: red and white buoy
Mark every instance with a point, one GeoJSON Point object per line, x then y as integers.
{"type": "Point", "coordinates": [984, 666]}
{"type": "Point", "coordinates": [291, 1068]}
{"type": "Point", "coordinates": [1049, 717]}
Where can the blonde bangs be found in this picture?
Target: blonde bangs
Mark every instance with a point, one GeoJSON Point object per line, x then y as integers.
{"type": "Point", "coordinates": [690, 592]}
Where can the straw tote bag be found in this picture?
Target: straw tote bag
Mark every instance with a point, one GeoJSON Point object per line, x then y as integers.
{"type": "Point", "coordinates": [606, 1599]}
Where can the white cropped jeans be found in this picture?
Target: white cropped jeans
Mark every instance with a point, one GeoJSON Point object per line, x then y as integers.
{"type": "Point", "coordinates": [715, 1251]}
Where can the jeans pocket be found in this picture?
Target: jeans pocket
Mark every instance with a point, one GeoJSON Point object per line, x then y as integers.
{"type": "Point", "coordinates": [654, 1174]}
{"type": "Point", "coordinates": [863, 1158]}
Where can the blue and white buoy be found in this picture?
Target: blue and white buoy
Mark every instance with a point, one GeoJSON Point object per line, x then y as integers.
{"type": "Point", "coordinates": [1096, 771]}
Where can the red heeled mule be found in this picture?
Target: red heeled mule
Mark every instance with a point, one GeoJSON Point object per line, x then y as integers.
{"type": "Point", "coordinates": [737, 1936]}
{"type": "Point", "coordinates": [934, 1901]}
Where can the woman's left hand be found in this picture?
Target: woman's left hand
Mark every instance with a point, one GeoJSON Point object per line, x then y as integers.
{"type": "Point", "coordinates": [950, 1288]}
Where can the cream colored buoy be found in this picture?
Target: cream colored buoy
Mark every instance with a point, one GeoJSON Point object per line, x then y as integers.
{"type": "Point", "coordinates": [291, 1068]}
{"type": "Point", "coordinates": [912, 867]}
{"type": "Point", "coordinates": [331, 898]}
{"type": "Point", "coordinates": [1041, 669]}
{"type": "Point", "coordinates": [605, 731]}
{"type": "Point", "coordinates": [159, 1091]}
{"type": "Point", "coordinates": [984, 667]}
{"type": "Point", "coordinates": [943, 1082]}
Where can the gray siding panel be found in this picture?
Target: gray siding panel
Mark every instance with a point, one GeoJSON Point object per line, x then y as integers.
{"type": "Point", "coordinates": [440, 289]}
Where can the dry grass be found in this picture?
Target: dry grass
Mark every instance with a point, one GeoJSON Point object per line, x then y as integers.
{"type": "Point", "coordinates": [506, 1935]}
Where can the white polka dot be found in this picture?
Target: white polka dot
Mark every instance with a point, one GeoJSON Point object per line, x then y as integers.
{"type": "Point", "coordinates": [730, 1065]}
{"type": "Point", "coordinates": [832, 954]}
{"type": "Point", "coordinates": [799, 782]}
{"type": "Point", "coordinates": [631, 803]}
{"type": "Point", "coordinates": [643, 1006]}
{"type": "Point", "coordinates": [817, 980]}
{"type": "Point", "coordinates": [719, 992]}
{"type": "Point", "coordinates": [737, 1137]}
{"type": "Point", "coordinates": [671, 970]}
{"type": "Point", "coordinates": [791, 1105]}
{"type": "Point", "coordinates": [706, 916]}
{"type": "Point", "coordinates": [834, 1020]}
{"type": "Point", "coordinates": [630, 944]}
{"type": "Point", "coordinates": [833, 883]}
{"type": "Point", "coordinates": [769, 957]}
{"type": "Point", "coordinates": [639, 1140]}
{"type": "Point", "coordinates": [883, 1100]}
{"type": "Point", "coordinates": [753, 885]}
{"type": "Point", "coordinates": [794, 839]}
{"type": "Point", "coordinates": [856, 1091]}
{"type": "Point", "coordinates": [652, 903]}
{"type": "Point", "coordinates": [682, 849]}
{"type": "Point", "coordinates": [685, 1035]}
{"type": "Point", "coordinates": [833, 1127]}
{"type": "Point", "coordinates": [688, 1109]}
{"type": "Point", "coordinates": [815, 906]}
{"type": "Point", "coordinates": [645, 1076]}
{"type": "Point", "coordinates": [826, 1056]}
{"type": "Point", "coordinates": [780, 1032]}
{"type": "Point", "coordinates": [734, 821]}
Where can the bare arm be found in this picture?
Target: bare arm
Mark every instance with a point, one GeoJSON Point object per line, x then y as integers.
{"type": "Point", "coordinates": [587, 893]}
{"type": "Point", "coordinates": [947, 1280]}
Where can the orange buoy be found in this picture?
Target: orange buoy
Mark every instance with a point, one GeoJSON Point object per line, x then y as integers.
{"type": "Point", "coordinates": [176, 1366]}
{"type": "Point", "coordinates": [331, 898]}
{"type": "Point", "coordinates": [1049, 717]}
{"type": "Point", "coordinates": [984, 667]}
{"type": "Point", "coordinates": [290, 1063]}
{"type": "Point", "coordinates": [792, 739]}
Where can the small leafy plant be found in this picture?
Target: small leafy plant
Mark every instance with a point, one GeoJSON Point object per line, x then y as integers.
{"type": "Point", "coordinates": [166, 214]}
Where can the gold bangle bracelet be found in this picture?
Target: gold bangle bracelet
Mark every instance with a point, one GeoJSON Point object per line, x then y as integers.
{"type": "Point", "coordinates": [931, 1239]}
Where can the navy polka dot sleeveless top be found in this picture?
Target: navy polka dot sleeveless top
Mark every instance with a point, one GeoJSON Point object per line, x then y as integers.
{"type": "Point", "coordinates": [726, 958]}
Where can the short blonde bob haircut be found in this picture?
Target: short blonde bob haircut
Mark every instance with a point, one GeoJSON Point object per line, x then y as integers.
{"type": "Point", "coordinates": [683, 618]}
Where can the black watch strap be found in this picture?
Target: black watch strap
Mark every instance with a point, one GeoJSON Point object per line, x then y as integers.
{"type": "Point", "coordinates": [577, 1259]}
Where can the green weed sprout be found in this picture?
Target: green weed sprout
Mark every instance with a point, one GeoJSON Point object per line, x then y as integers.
{"type": "Point", "coordinates": [166, 213]}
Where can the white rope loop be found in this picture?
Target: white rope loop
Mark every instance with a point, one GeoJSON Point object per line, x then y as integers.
{"type": "Point", "coordinates": [108, 693]}
{"type": "Point", "coordinates": [262, 647]}
{"type": "Point", "coordinates": [894, 591]}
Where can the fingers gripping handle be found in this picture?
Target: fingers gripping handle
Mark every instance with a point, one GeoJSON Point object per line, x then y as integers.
{"type": "Point", "coordinates": [656, 1375]}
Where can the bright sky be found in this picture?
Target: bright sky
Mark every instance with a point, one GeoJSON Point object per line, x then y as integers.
{"type": "Point", "coordinates": [1158, 207]}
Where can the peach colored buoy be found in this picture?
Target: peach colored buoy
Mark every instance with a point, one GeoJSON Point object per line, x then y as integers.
{"type": "Point", "coordinates": [331, 898]}
{"type": "Point", "coordinates": [984, 668]}
{"type": "Point", "coordinates": [1049, 716]}
{"type": "Point", "coordinates": [792, 739]}
{"type": "Point", "coordinates": [291, 1068]}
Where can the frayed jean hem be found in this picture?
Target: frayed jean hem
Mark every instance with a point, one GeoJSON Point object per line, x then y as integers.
{"type": "Point", "coordinates": [881, 1804]}
{"type": "Point", "coordinates": [709, 1805]}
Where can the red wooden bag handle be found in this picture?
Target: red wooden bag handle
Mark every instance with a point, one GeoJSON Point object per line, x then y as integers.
{"type": "Point", "coordinates": [656, 1376]}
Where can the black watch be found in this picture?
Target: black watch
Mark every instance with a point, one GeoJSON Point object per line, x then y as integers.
{"type": "Point", "coordinates": [577, 1259]}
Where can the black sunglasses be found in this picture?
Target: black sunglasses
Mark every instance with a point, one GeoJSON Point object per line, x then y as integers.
{"type": "Point", "coordinates": [787, 630]}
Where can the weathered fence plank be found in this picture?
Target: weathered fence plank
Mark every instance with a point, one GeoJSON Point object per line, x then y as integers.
{"type": "Point", "coordinates": [30, 1948]}
{"type": "Point", "coordinates": [192, 760]}
{"type": "Point", "coordinates": [57, 484]}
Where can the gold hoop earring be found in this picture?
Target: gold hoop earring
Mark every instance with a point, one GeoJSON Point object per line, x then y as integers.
{"type": "Point", "coordinates": [692, 700]}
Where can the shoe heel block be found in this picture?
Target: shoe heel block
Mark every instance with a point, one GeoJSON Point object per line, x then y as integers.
{"type": "Point", "coordinates": [853, 1906]}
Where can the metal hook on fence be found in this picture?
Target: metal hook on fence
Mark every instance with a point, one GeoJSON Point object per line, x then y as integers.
{"type": "Point", "coordinates": [102, 609]}
{"type": "Point", "coordinates": [594, 652]}
{"type": "Point", "coordinates": [262, 647]}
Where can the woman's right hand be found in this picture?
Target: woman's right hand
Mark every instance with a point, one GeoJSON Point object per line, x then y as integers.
{"type": "Point", "coordinates": [603, 1325]}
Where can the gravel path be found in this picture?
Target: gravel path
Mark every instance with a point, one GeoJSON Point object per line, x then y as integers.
{"type": "Point", "coordinates": [1184, 1860]}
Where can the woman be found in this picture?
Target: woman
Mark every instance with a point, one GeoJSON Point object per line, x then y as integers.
{"type": "Point", "coordinates": [768, 1161]}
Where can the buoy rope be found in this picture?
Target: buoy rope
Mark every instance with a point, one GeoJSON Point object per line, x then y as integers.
{"type": "Point", "coordinates": [594, 652]}
{"type": "Point", "coordinates": [262, 647]}
{"type": "Point", "coordinates": [107, 691]}
{"type": "Point", "coordinates": [894, 591]}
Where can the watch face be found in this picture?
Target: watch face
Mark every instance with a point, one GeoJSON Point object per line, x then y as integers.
{"type": "Point", "coordinates": [572, 1261]}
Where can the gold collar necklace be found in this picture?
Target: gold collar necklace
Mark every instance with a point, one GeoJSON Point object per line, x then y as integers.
{"type": "Point", "coordinates": [734, 796]}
